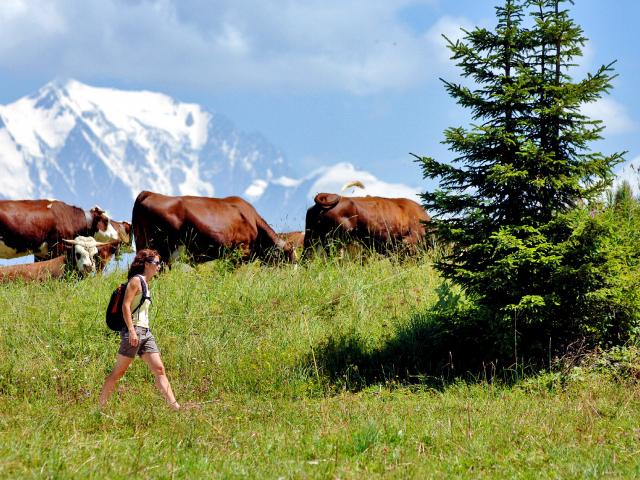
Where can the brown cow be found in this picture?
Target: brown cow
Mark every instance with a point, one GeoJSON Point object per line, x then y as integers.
{"type": "Point", "coordinates": [380, 223]}
{"type": "Point", "coordinates": [79, 256]}
{"type": "Point", "coordinates": [123, 244]}
{"type": "Point", "coordinates": [204, 227]}
{"type": "Point", "coordinates": [38, 226]}
{"type": "Point", "coordinates": [293, 241]}
{"type": "Point", "coordinates": [123, 230]}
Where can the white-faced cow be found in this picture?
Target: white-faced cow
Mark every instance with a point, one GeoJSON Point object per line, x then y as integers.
{"type": "Point", "coordinates": [204, 227]}
{"type": "Point", "coordinates": [38, 226]}
{"type": "Point", "coordinates": [379, 223]}
{"type": "Point", "coordinates": [80, 256]}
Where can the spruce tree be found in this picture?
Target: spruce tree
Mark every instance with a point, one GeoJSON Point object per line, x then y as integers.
{"type": "Point", "coordinates": [520, 168]}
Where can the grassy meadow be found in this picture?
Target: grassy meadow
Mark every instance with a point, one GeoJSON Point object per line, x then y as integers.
{"type": "Point", "coordinates": [266, 359]}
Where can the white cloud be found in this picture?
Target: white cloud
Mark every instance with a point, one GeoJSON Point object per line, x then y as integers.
{"type": "Point", "coordinates": [256, 189]}
{"type": "Point", "coordinates": [613, 114]}
{"type": "Point", "coordinates": [333, 178]}
{"type": "Point", "coordinates": [360, 46]}
{"type": "Point", "coordinates": [450, 27]}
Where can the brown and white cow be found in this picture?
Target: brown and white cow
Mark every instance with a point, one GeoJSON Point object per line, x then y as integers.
{"type": "Point", "coordinates": [38, 226]}
{"type": "Point", "coordinates": [122, 245]}
{"type": "Point", "coordinates": [378, 222]}
{"type": "Point", "coordinates": [203, 227]}
{"type": "Point", "coordinates": [80, 256]}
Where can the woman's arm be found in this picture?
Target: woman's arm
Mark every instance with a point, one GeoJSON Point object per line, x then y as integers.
{"type": "Point", "coordinates": [133, 288]}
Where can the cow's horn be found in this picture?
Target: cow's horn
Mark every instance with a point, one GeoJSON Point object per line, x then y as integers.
{"type": "Point", "coordinates": [102, 244]}
{"type": "Point", "coordinates": [70, 242]}
{"type": "Point", "coordinates": [355, 183]}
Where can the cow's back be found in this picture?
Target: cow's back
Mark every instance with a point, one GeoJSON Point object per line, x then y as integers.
{"type": "Point", "coordinates": [27, 224]}
{"type": "Point", "coordinates": [390, 218]}
{"type": "Point", "coordinates": [39, 271]}
{"type": "Point", "coordinates": [227, 223]}
{"type": "Point", "coordinates": [371, 219]}
{"type": "Point", "coordinates": [205, 226]}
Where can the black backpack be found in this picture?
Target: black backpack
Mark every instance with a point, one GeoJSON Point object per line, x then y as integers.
{"type": "Point", "coordinates": [114, 318]}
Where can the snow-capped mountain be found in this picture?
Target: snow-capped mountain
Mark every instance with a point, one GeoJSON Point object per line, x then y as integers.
{"type": "Point", "coordinates": [88, 145]}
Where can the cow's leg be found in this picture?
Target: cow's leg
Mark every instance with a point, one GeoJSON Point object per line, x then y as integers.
{"type": "Point", "coordinates": [45, 252]}
{"type": "Point", "coordinates": [245, 250]}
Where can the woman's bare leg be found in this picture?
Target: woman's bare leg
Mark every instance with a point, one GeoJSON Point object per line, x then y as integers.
{"type": "Point", "coordinates": [122, 363]}
{"type": "Point", "coordinates": [156, 366]}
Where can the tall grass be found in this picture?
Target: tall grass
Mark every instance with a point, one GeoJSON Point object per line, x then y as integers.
{"type": "Point", "coordinates": [246, 348]}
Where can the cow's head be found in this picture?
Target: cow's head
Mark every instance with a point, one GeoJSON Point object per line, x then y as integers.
{"type": "Point", "coordinates": [289, 243]}
{"type": "Point", "coordinates": [83, 253]}
{"type": "Point", "coordinates": [124, 231]}
{"type": "Point", "coordinates": [101, 227]}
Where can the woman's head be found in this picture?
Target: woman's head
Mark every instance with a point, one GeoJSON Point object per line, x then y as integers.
{"type": "Point", "coordinates": [144, 259]}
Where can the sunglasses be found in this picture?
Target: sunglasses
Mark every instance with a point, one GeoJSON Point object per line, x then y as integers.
{"type": "Point", "coordinates": [154, 262]}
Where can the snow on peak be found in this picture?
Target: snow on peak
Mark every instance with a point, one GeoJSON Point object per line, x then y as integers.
{"type": "Point", "coordinates": [40, 123]}
{"type": "Point", "coordinates": [135, 111]}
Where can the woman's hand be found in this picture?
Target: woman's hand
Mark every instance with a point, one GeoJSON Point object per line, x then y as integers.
{"type": "Point", "coordinates": [133, 338]}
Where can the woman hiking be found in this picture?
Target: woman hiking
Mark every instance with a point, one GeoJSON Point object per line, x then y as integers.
{"type": "Point", "coordinates": [136, 337]}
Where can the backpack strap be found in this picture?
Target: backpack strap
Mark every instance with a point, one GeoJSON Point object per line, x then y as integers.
{"type": "Point", "coordinates": [145, 294]}
{"type": "Point", "coordinates": [145, 288]}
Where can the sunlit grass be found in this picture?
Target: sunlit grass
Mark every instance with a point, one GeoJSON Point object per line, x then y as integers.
{"type": "Point", "coordinates": [243, 347]}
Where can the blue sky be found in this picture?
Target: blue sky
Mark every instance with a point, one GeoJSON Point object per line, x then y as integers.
{"type": "Point", "coordinates": [326, 81]}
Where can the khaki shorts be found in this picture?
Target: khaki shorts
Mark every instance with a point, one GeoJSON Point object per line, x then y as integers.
{"type": "Point", "coordinates": [146, 343]}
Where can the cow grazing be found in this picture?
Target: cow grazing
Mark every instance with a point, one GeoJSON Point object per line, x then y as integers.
{"type": "Point", "coordinates": [79, 256]}
{"type": "Point", "coordinates": [293, 241]}
{"type": "Point", "coordinates": [379, 223]}
{"type": "Point", "coordinates": [123, 244]}
{"type": "Point", "coordinates": [38, 226]}
{"type": "Point", "coordinates": [204, 227]}
{"type": "Point", "coordinates": [123, 231]}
